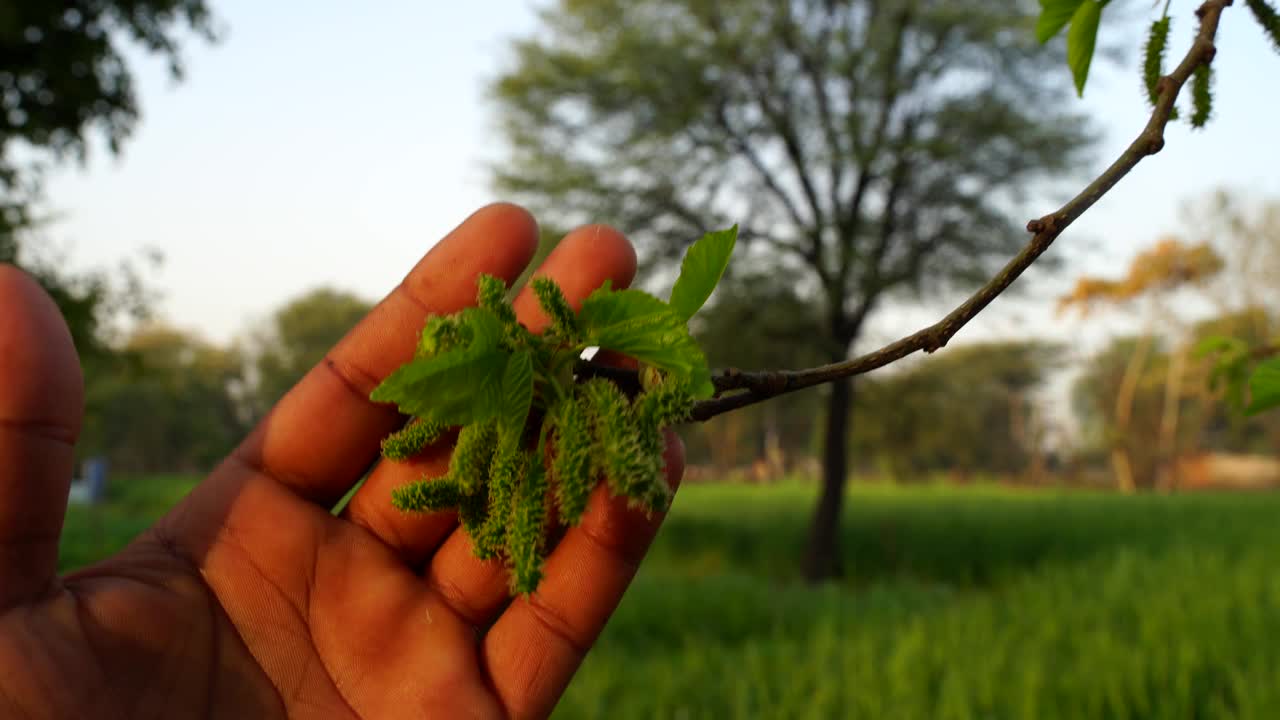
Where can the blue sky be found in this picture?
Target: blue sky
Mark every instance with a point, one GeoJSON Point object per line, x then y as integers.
{"type": "Point", "coordinates": [332, 147]}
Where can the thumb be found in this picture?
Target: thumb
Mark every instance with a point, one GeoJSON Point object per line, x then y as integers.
{"type": "Point", "coordinates": [41, 406]}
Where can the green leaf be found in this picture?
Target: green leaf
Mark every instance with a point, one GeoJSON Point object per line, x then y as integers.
{"type": "Point", "coordinates": [1081, 40]}
{"type": "Point", "coordinates": [701, 270]}
{"type": "Point", "coordinates": [1054, 15]}
{"type": "Point", "coordinates": [517, 391]}
{"type": "Point", "coordinates": [456, 387]}
{"type": "Point", "coordinates": [1264, 387]}
{"type": "Point", "coordinates": [641, 326]}
{"type": "Point", "coordinates": [1215, 344]}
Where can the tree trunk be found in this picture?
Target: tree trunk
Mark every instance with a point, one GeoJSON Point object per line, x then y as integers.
{"type": "Point", "coordinates": [1120, 451]}
{"type": "Point", "coordinates": [822, 559]}
{"type": "Point", "coordinates": [1166, 472]}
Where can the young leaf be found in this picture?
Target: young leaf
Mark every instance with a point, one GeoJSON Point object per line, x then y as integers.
{"type": "Point", "coordinates": [455, 387]}
{"type": "Point", "coordinates": [517, 391]}
{"type": "Point", "coordinates": [441, 333]}
{"type": "Point", "coordinates": [703, 265]}
{"type": "Point", "coordinates": [1264, 387]}
{"type": "Point", "coordinates": [637, 324]}
{"type": "Point", "coordinates": [1054, 15]}
{"type": "Point", "coordinates": [1082, 37]}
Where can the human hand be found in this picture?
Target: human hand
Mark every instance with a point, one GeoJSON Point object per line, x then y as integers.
{"type": "Point", "coordinates": [250, 599]}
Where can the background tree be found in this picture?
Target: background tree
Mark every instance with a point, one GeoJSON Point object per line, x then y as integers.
{"type": "Point", "coordinates": [1166, 267]}
{"type": "Point", "coordinates": [869, 144]}
{"type": "Point", "coordinates": [64, 79]}
{"type": "Point", "coordinates": [167, 402]}
{"type": "Point", "coordinates": [970, 410]}
{"type": "Point", "coordinates": [759, 320]}
{"type": "Point", "coordinates": [295, 338]}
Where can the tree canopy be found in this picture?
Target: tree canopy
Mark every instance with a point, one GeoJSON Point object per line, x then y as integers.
{"type": "Point", "coordinates": [64, 79]}
{"type": "Point", "coordinates": [296, 337]}
{"type": "Point", "coordinates": [877, 147]}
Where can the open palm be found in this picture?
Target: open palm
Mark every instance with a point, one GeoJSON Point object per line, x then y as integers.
{"type": "Point", "coordinates": [250, 599]}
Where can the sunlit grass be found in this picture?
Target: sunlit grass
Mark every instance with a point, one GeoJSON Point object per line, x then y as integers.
{"type": "Point", "coordinates": [973, 602]}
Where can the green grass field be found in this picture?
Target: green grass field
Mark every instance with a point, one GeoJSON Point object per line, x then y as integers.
{"type": "Point", "coordinates": [960, 603]}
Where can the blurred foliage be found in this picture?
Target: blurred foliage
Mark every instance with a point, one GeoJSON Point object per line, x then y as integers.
{"type": "Point", "coordinates": [1168, 265]}
{"type": "Point", "coordinates": [970, 409]}
{"type": "Point", "coordinates": [295, 338]}
{"type": "Point", "coordinates": [1244, 366]}
{"type": "Point", "coordinates": [1156, 273]}
{"type": "Point", "coordinates": [760, 320]}
{"type": "Point", "coordinates": [134, 502]}
{"type": "Point", "coordinates": [1211, 418]}
{"type": "Point", "coordinates": [166, 402]}
{"type": "Point", "coordinates": [64, 78]}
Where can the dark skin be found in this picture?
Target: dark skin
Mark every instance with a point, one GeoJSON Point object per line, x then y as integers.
{"type": "Point", "coordinates": [249, 599]}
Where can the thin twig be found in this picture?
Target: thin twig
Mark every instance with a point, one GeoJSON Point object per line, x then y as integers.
{"type": "Point", "coordinates": [737, 389]}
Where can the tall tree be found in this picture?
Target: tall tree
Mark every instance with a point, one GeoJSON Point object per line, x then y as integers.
{"type": "Point", "coordinates": [878, 146]}
{"type": "Point", "coordinates": [296, 337]}
{"type": "Point", "coordinates": [64, 78]}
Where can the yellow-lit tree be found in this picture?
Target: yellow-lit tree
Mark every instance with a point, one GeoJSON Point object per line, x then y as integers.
{"type": "Point", "coordinates": [1168, 266]}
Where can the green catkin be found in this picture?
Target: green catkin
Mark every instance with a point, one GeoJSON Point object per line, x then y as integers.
{"type": "Point", "coordinates": [469, 464]}
{"type": "Point", "coordinates": [509, 465]}
{"type": "Point", "coordinates": [411, 439]}
{"type": "Point", "coordinates": [492, 296]}
{"type": "Point", "coordinates": [1153, 57]}
{"type": "Point", "coordinates": [564, 321]}
{"type": "Point", "coordinates": [428, 495]}
{"type": "Point", "coordinates": [571, 469]}
{"type": "Point", "coordinates": [621, 443]}
{"type": "Point", "coordinates": [671, 401]}
{"type": "Point", "coordinates": [1268, 18]}
{"type": "Point", "coordinates": [662, 405]}
{"type": "Point", "coordinates": [1201, 95]}
{"type": "Point", "coordinates": [525, 540]}
{"type": "Point", "coordinates": [473, 511]}
{"type": "Point", "coordinates": [473, 455]}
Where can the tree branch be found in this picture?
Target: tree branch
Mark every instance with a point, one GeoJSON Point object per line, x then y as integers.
{"type": "Point", "coordinates": [736, 389]}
